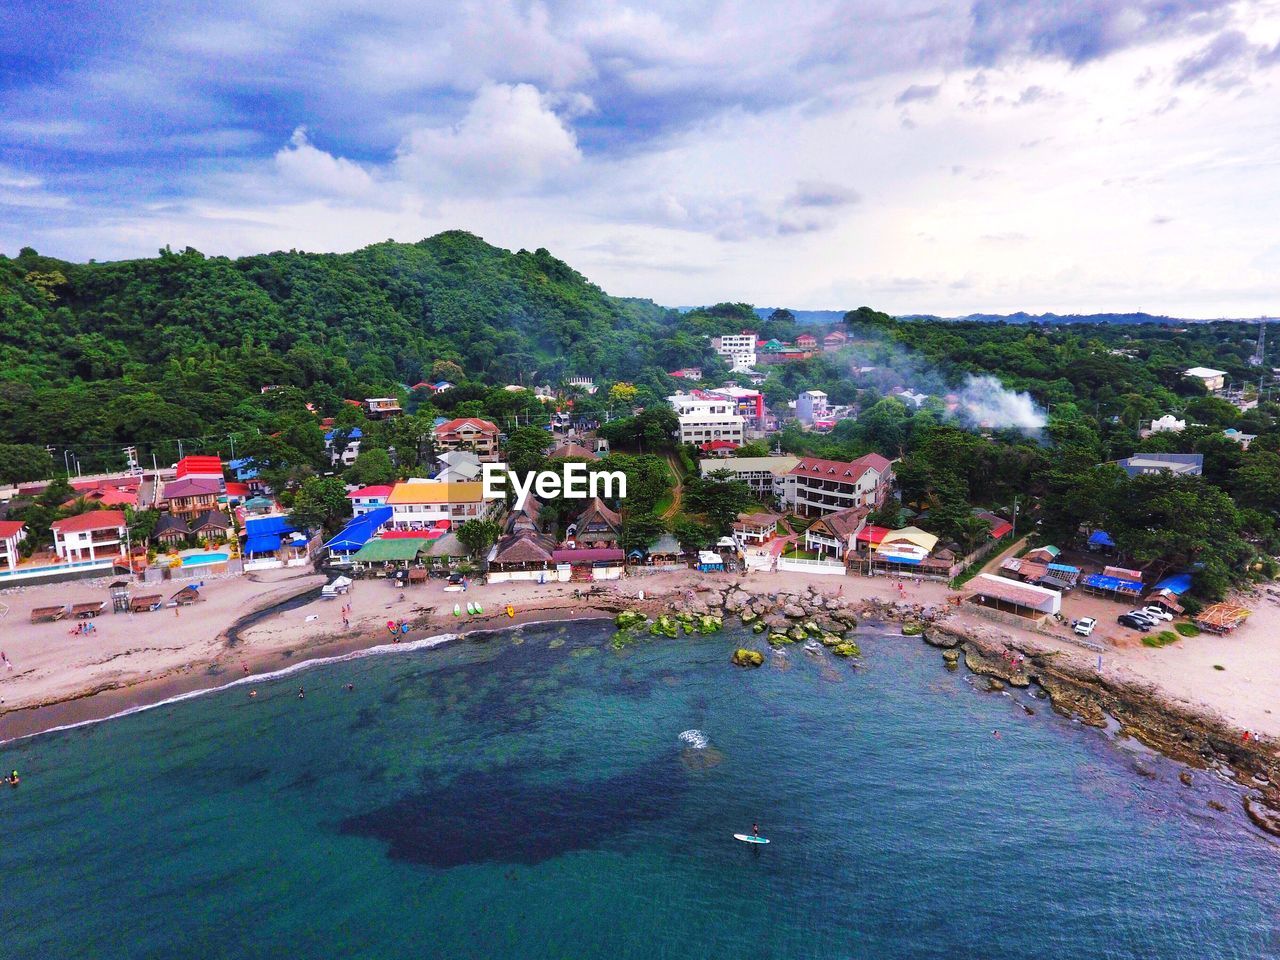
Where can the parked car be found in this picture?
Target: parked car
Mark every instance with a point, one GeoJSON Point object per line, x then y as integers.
{"type": "Point", "coordinates": [1084, 626]}
{"type": "Point", "coordinates": [1132, 622]}
{"type": "Point", "coordinates": [1160, 613]}
{"type": "Point", "coordinates": [1140, 615]}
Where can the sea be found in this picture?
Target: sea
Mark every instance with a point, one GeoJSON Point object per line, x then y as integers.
{"type": "Point", "coordinates": [540, 793]}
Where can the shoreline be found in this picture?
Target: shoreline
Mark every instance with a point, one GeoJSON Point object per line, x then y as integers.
{"type": "Point", "coordinates": [276, 635]}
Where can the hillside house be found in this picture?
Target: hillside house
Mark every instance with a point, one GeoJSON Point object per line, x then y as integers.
{"type": "Point", "coordinates": [192, 495]}
{"type": "Point", "coordinates": [369, 498]}
{"type": "Point", "coordinates": [596, 526]}
{"type": "Point", "coordinates": [12, 533]}
{"type": "Point", "coordinates": [382, 408]}
{"type": "Point", "coordinates": [470, 434]}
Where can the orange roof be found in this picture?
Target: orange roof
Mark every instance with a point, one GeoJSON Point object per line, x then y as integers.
{"type": "Point", "coordinates": [92, 520]}
{"type": "Point", "coordinates": [435, 491]}
{"type": "Point", "coordinates": [9, 527]}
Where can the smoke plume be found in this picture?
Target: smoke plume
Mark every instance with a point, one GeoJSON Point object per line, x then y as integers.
{"type": "Point", "coordinates": [989, 403]}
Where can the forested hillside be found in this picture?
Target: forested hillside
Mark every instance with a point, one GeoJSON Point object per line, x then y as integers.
{"type": "Point", "coordinates": [170, 346]}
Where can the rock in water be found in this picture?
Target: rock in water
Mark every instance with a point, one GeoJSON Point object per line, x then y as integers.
{"type": "Point", "coordinates": [742, 657]}
{"type": "Point", "coordinates": [847, 649]}
{"type": "Point", "coordinates": [629, 618]}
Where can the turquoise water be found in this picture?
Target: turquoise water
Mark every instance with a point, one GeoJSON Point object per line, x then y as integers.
{"type": "Point", "coordinates": [532, 795]}
{"type": "Point", "coordinates": [201, 559]}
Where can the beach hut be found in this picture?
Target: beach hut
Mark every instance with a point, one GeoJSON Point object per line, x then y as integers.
{"type": "Point", "coordinates": [1221, 617]}
{"type": "Point", "coordinates": [145, 604]}
{"type": "Point", "coordinates": [48, 614]}
{"type": "Point", "coordinates": [1010, 596]}
{"type": "Point", "coordinates": [390, 554]}
{"type": "Point", "coordinates": [187, 595]}
{"type": "Point", "coordinates": [591, 563]}
{"type": "Point", "coordinates": [336, 587]}
{"type": "Point", "coordinates": [88, 610]}
{"type": "Point", "coordinates": [1045, 554]}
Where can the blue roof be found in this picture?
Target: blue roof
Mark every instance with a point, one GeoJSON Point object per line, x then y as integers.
{"type": "Point", "coordinates": [261, 526]}
{"type": "Point", "coordinates": [1102, 582]}
{"type": "Point", "coordinates": [360, 530]}
{"type": "Point", "coordinates": [264, 543]}
{"type": "Point", "coordinates": [1100, 538]}
{"type": "Point", "coordinates": [1064, 567]}
{"type": "Point", "coordinates": [1178, 583]}
{"type": "Point", "coordinates": [355, 434]}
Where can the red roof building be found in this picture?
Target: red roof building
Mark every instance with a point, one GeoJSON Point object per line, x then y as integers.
{"type": "Point", "coordinates": [94, 535]}
{"type": "Point", "coordinates": [12, 533]}
{"type": "Point", "coordinates": [828, 486]}
{"type": "Point", "coordinates": [471, 434]}
{"type": "Point", "coordinates": [199, 466]}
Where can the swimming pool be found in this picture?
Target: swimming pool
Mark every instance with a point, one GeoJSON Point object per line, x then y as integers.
{"type": "Point", "coordinates": [203, 559]}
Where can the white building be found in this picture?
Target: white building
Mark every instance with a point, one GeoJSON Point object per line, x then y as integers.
{"type": "Point", "coordinates": [421, 504]}
{"type": "Point", "coordinates": [368, 498]}
{"type": "Point", "coordinates": [343, 453]}
{"type": "Point", "coordinates": [1213, 380]}
{"type": "Point", "coordinates": [811, 405]}
{"type": "Point", "coordinates": [766, 476]}
{"type": "Point", "coordinates": [707, 418]}
{"type": "Point", "coordinates": [1168, 424]}
{"type": "Point", "coordinates": [95, 535]}
{"type": "Point", "coordinates": [829, 486]}
{"type": "Point", "coordinates": [12, 533]}
{"type": "Point", "coordinates": [738, 348]}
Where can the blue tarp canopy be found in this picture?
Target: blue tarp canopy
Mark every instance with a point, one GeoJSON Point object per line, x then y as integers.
{"type": "Point", "coordinates": [1100, 581]}
{"type": "Point", "coordinates": [1178, 583]}
{"type": "Point", "coordinates": [1100, 538]}
{"type": "Point", "coordinates": [360, 530]}
{"type": "Point", "coordinates": [258, 526]}
{"type": "Point", "coordinates": [1064, 568]}
{"type": "Point", "coordinates": [355, 434]}
{"type": "Point", "coordinates": [263, 543]}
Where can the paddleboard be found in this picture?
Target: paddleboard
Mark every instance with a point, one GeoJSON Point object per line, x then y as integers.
{"type": "Point", "coordinates": [457, 610]}
{"type": "Point", "coordinates": [453, 589]}
{"type": "Point", "coordinates": [747, 838]}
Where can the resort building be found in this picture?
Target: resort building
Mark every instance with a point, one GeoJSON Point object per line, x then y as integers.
{"type": "Point", "coordinates": [835, 535]}
{"type": "Point", "coordinates": [192, 495]}
{"type": "Point", "coordinates": [834, 340]}
{"type": "Point", "coordinates": [90, 536]}
{"type": "Point", "coordinates": [458, 466]}
{"type": "Point", "coordinates": [209, 468]}
{"type": "Point", "coordinates": [1168, 424]}
{"type": "Point", "coordinates": [422, 504]}
{"type": "Point", "coordinates": [523, 555]}
{"type": "Point", "coordinates": [1023, 601]}
{"type": "Point", "coordinates": [12, 533]}
{"type": "Point", "coordinates": [170, 529]}
{"type": "Point", "coordinates": [369, 498]}
{"type": "Point", "coordinates": [343, 446]}
{"type": "Point", "coordinates": [828, 486]}
{"type": "Point", "coordinates": [470, 434]}
{"type": "Point", "coordinates": [755, 528]}
{"type": "Point", "coordinates": [767, 477]}
{"type": "Point", "coordinates": [596, 526]}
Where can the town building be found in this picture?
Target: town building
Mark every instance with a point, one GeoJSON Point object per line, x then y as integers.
{"type": "Point", "coordinates": [94, 535]}
{"type": "Point", "coordinates": [811, 406]}
{"type": "Point", "coordinates": [1244, 439]}
{"type": "Point", "coordinates": [201, 467]}
{"type": "Point", "coordinates": [704, 418]}
{"type": "Point", "coordinates": [738, 348]}
{"type": "Point", "coordinates": [1143, 464]}
{"type": "Point", "coordinates": [382, 408]}
{"type": "Point", "coordinates": [1168, 424]}
{"type": "Point", "coordinates": [828, 486]}
{"type": "Point", "coordinates": [342, 450]}
{"type": "Point", "coordinates": [586, 384]}
{"type": "Point", "coordinates": [686, 373]}
{"type": "Point", "coordinates": [458, 466]}
{"type": "Point", "coordinates": [366, 499]}
{"type": "Point", "coordinates": [768, 477]}
{"type": "Point", "coordinates": [12, 533]}
{"type": "Point", "coordinates": [470, 434]}
{"type": "Point", "coordinates": [170, 529]}
{"type": "Point", "coordinates": [1213, 380]}
{"type": "Point", "coordinates": [806, 341]}
{"type": "Point", "coordinates": [834, 340]}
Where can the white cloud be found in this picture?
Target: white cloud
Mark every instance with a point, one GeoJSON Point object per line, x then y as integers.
{"type": "Point", "coordinates": [304, 166]}
{"type": "Point", "coordinates": [510, 139]}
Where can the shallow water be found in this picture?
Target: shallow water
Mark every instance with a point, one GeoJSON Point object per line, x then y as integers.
{"type": "Point", "coordinates": [539, 794]}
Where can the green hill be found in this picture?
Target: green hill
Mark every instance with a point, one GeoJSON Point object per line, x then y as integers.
{"type": "Point", "coordinates": [169, 346]}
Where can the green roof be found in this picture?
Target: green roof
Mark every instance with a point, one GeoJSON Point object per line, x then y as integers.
{"type": "Point", "coordinates": [399, 549]}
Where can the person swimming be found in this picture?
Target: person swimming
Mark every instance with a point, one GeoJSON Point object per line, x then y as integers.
{"type": "Point", "coordinates": [302, 692]}
{"type": "Point", "coordinates": [12, 779]}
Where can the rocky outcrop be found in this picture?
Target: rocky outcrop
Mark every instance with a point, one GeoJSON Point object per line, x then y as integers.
{"type": "Point", "coordinates": [742, 657]}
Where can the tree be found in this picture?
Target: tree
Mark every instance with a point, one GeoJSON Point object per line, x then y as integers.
{"type": "Point", "coordinates": [719, 497]}
{"type": "Point", "coordinates": [478, 536]}
{"type": "Point", "coordinates": [20, 462]}
{"type": "Point", "coordinates": [447, 370]}
{"type": "Point", "coordinates": [622, 394]}
{"type": "Point", "coordinates": [526, 448]}
{"type": "Point", "coordinates": [640, 529]}
{"type": "Point", "coordinates": [371, 467]}
{"type": "Point", "coordinates": [320, 502]}
{"type": "Point", "coordinates": [692, 535]}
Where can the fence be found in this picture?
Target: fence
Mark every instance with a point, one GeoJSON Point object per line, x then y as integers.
{"type": "Point", "coordinates": [798, 565]}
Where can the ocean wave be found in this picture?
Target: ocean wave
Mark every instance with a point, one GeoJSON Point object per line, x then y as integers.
{"type": "Point", "coordinates": [694, 739]}
{"type": "Point", "coordinates": [408, 646]}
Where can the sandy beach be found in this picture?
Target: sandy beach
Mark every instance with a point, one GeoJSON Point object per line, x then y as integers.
{"type": "Point", "coordinates": [58, 677]}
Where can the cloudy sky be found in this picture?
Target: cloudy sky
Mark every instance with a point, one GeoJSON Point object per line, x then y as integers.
{"type": "Point", "coordinates": [914, 155]}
